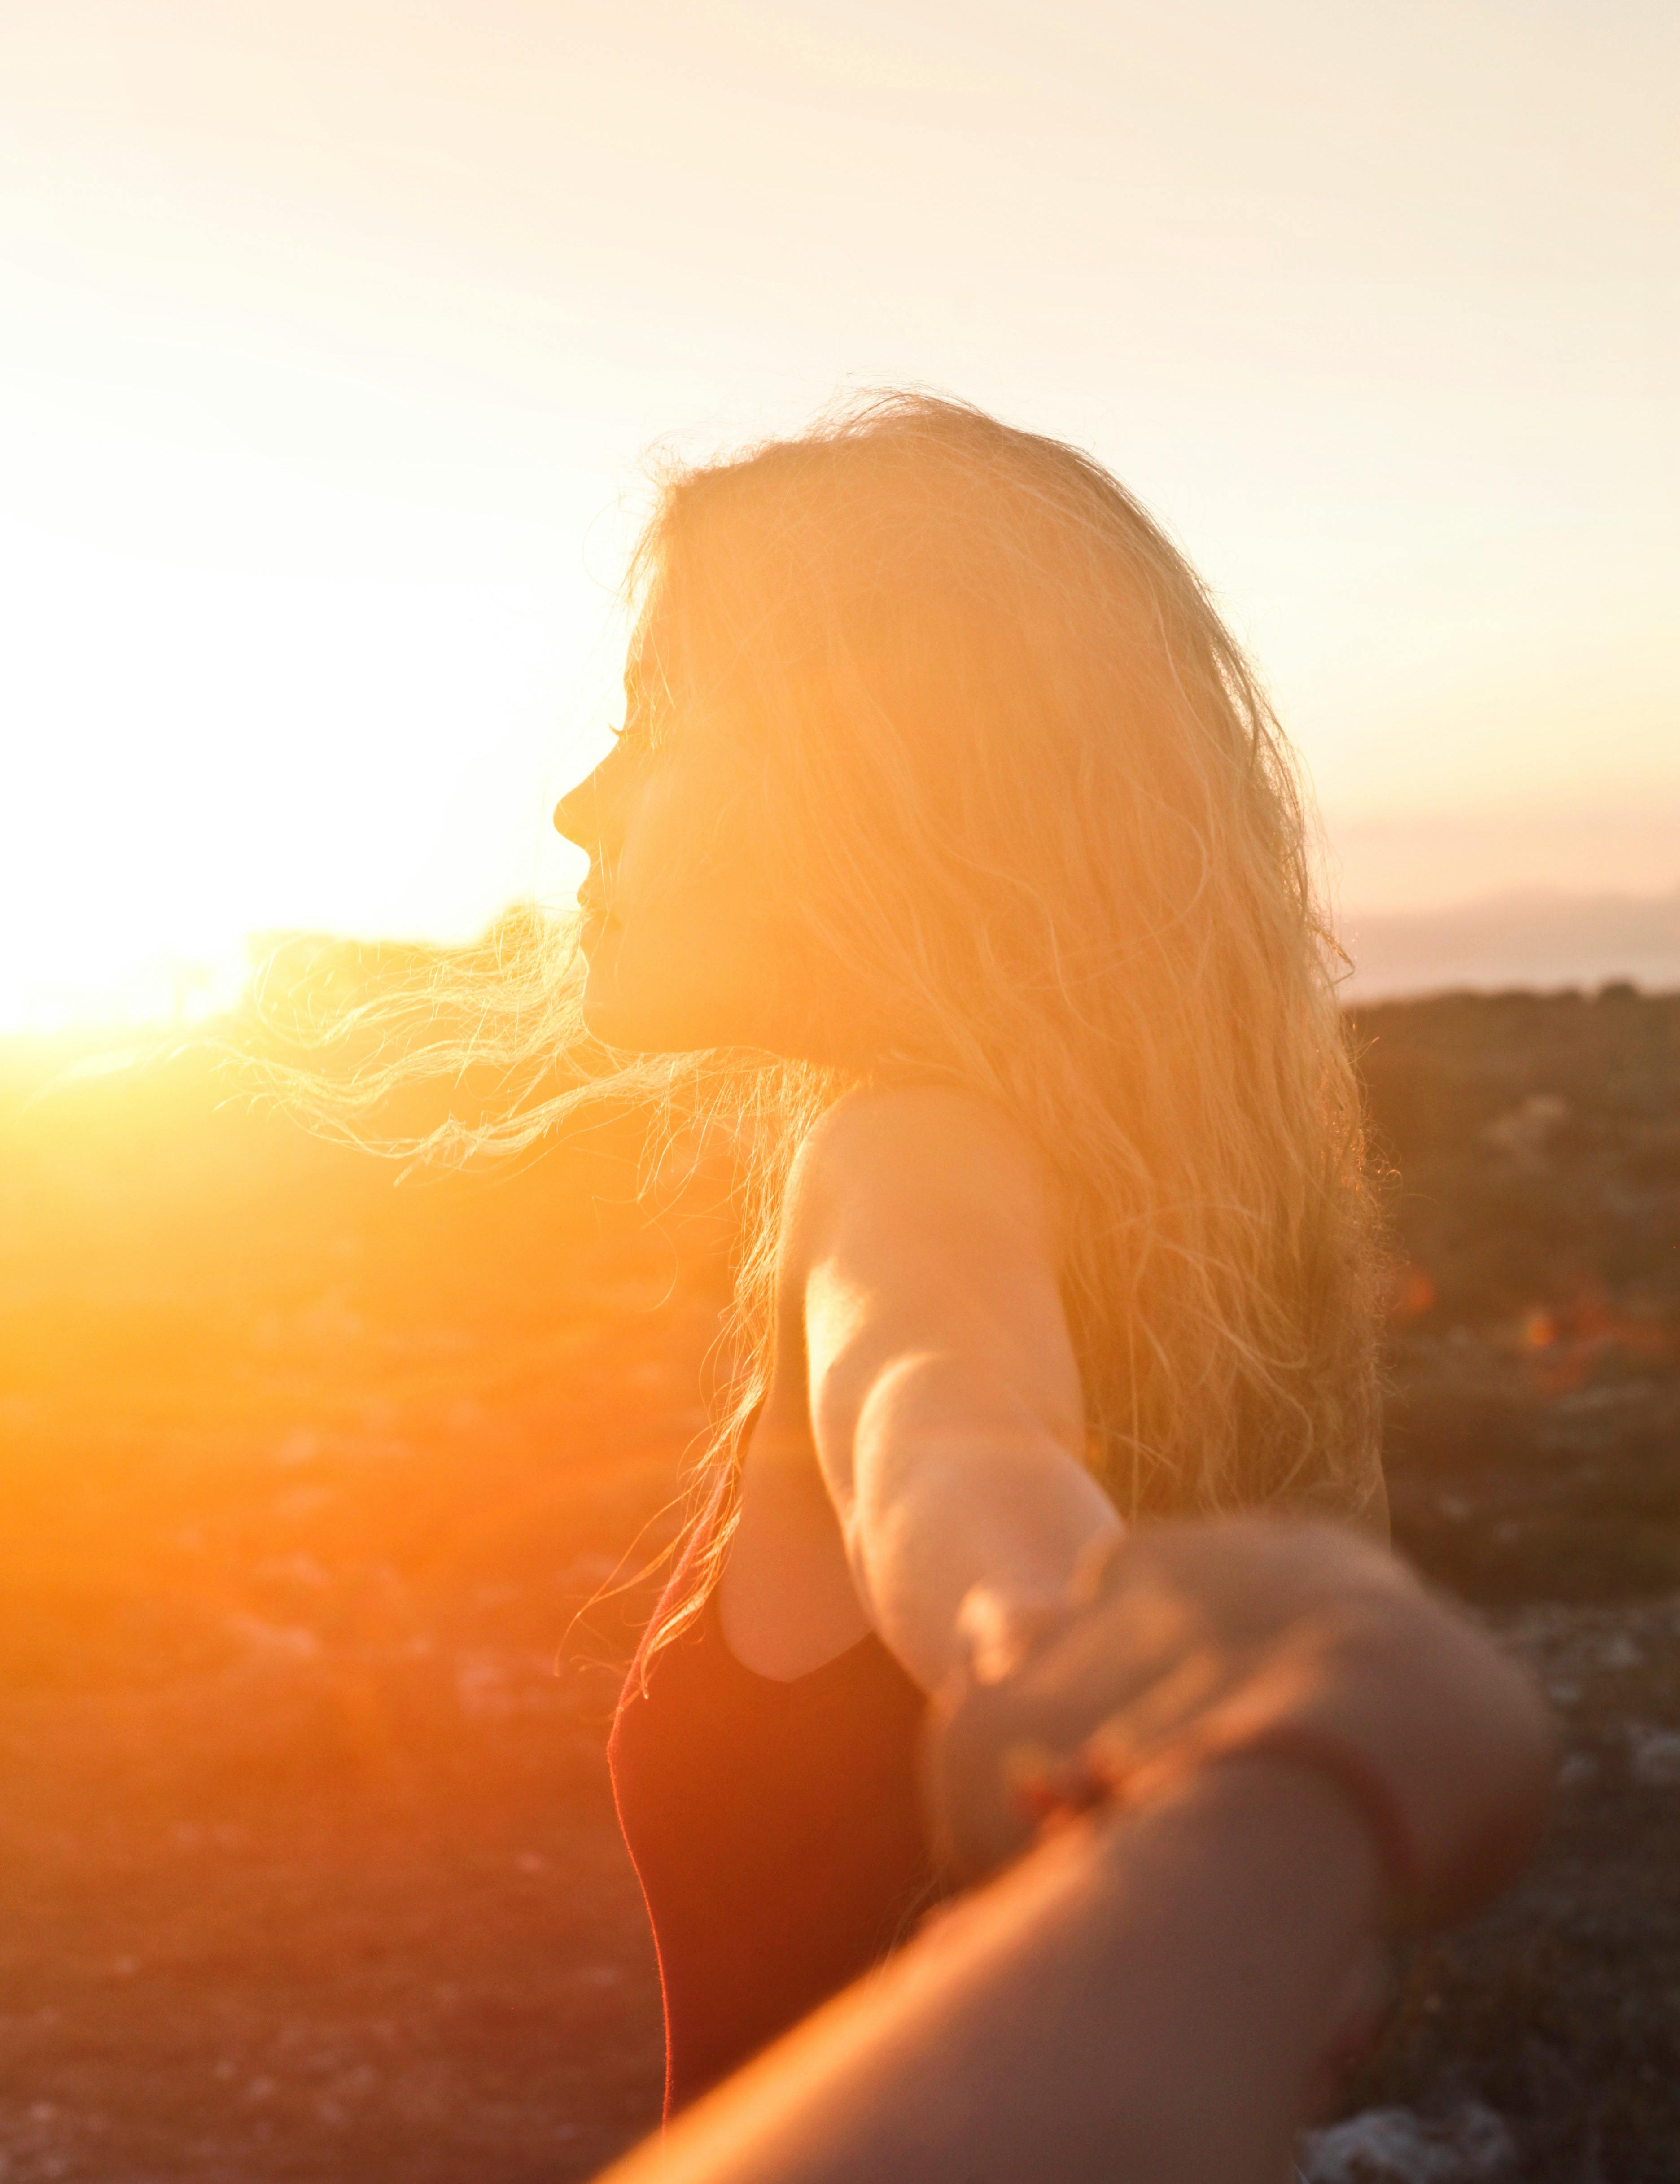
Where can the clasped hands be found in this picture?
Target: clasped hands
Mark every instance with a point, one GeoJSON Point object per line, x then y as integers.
{"type": "Point", "coordinates": [1181, 1646]}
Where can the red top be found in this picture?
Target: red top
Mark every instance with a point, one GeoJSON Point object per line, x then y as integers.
{"type": "Point", "coordinates": [777, 1830]}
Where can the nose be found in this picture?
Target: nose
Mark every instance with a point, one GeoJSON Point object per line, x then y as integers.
{"type": "Point", "coordinates": [580, 816]}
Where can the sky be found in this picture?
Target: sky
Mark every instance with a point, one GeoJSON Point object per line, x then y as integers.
{"type": "Point", "coordinates": [337, 335]}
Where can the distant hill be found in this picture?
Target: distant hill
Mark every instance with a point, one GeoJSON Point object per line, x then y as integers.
{"type": "Point", "coordinates": [1535, 938]}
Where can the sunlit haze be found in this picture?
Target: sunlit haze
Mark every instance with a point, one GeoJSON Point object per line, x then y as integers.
{"type": "Point", "coordinates": [338, 337]}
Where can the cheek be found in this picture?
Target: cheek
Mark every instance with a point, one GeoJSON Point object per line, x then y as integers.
{"type": "Point", "coordinates": [705, 948]}
{"type": "Point", "coordinates": [698, 977]}
{"type": "Point", "coordinates": [696, 935]}
{"type": "Point", "coordinates": [693, 873]}
{"type": "Point", "coordinates": [657, 863]}
{"type": "Point", "coordinates": [701, 965]}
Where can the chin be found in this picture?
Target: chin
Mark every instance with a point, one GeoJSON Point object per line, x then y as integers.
{"type": "Point", "coordinates": [638, 1023]}
{"type": "Point", "coordinates": [614, 1025]}
{"type": "Point", "coordinates": [685, 1013]}
{"type": "Point", "coordinates": [680, 1025]}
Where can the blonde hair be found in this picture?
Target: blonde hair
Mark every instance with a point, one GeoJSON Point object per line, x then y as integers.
{"type": "Point", "coordinates": [1026, 794]}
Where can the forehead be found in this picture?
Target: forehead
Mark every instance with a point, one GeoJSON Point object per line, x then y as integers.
{"type": "Point", "coordinates": [660, 693]}
{"type": "Point", "coordinates": [637, 659]}
{"type": "Point", "coordinates": [659, 614]}
{"type": "Point", "coordinates": [647, 662]}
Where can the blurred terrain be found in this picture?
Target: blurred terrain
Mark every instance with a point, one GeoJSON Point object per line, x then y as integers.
{"type": "Point", "coordinates": [307, 1864]}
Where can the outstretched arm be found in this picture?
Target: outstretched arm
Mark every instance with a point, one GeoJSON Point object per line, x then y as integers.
{"type": "Point", "coordinates": [1146, 1996]}
{"type": "Point", "coordinates": [1141, 2001]}
{"type": "Point", "coordinates": [920, 1263]}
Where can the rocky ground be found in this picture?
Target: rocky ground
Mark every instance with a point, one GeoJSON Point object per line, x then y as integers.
{"type": "Point", "coordinates": [307, 1862]}
{"type": "Point", "coordinates": [1534, 1469]}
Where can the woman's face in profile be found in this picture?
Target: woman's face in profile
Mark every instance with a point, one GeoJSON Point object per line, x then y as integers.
{"type": "Point", "coordinates": [681, 940]}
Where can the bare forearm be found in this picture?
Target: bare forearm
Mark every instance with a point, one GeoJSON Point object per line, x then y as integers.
{"type": "Point", "coordinates": [1142, 1999]}
{"type": "Point", "coordinates": [934, 1514]}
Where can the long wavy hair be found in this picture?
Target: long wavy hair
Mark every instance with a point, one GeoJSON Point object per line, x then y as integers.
{"type": "Point", "coordinates": [1025, 791]}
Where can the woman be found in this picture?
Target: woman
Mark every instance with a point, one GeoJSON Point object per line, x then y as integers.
{"type": "Point", "coordinates": [948, 820]}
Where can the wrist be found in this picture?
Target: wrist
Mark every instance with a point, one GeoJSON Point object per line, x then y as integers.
{"type": "Point", "coordinates": [1257, 1808]}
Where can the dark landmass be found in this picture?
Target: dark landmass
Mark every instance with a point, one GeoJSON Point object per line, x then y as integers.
{"type": "Point", "coordinates": [308, 1864]}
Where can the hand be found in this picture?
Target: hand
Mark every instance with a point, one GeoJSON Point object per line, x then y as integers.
{"type": "Point", "coordinates": [1187, 1643]}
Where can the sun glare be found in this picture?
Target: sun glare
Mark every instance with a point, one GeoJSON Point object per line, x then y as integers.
{"type": "Point", "coordinates": [245, 708]}
{"type": "Point", "coordinates": [318, 468]}
{"type": "Point", "coordinates": [100, 990]}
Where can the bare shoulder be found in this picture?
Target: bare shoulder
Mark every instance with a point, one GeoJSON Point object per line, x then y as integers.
{"type": "Point", "coordinates": [936, 1155]}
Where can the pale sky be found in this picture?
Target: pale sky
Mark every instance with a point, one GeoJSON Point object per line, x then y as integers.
{"type": "Point", "coordinates": [335, 332]}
